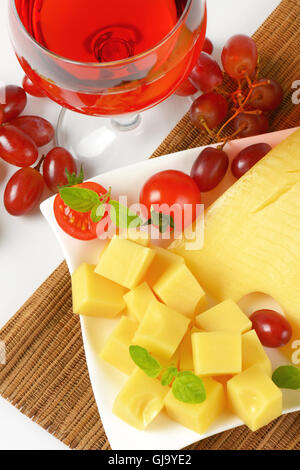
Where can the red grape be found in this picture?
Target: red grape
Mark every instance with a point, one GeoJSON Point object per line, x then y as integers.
{"type": "Point", "coordinates": [23, 191]}
{"type": "Point", "coordinates": [247, 158]}
{"type": "Point", "coordinates": [15, 102]}
{"type": "Point", "coordinates": [267, 97]}
{"type": "Point", "coordinates": [39, 129]}
{"type": "Point", "coordinates": [32, 89]}
{"type": "Point", "coordinates": [210, 107]}
{"type": "Point", "coordinates": [253, 124]}
{"type": "Point", "coordinates": [16, 147]}
{"type": "Point", "coordinates": [239, 56]}
{"type": "Point", "coordinates": [272, 328]}
{"type": "Point", "coordinates": [210, 168]}
{"type": "Point", "coordinates": [186, 88]}
{"type": "Point", "coordinates": [206, 75]}
{"type": "Point", "coordinates": [55, 165]}
{"type": "Point", "coordinates": [208, 46]}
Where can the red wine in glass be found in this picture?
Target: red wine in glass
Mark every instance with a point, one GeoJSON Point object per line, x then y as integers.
{"type": "Point", "coordinates": [107, 57]}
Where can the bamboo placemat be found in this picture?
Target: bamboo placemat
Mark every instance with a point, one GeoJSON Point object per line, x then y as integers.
{"type": "Point", "coordinates": [45, 375]}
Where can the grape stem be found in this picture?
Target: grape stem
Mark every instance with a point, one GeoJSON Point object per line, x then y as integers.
{"type": "Point", "coordinates": [241, 100]}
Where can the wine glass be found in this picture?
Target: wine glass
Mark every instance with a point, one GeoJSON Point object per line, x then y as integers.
{"type": "Point", "coordinates": [120, 69]}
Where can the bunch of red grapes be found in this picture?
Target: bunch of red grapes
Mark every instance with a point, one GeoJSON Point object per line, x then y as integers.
{"type": "Point", "coordinates": [249, 103]}
{"type": "Point", "coordinates": [20, 139]}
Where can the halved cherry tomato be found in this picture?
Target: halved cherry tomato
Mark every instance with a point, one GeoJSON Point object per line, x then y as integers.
{"type": "Point", "coordinates": [78, 224]}
{"type": "Point", "coordinates": [173, 193]}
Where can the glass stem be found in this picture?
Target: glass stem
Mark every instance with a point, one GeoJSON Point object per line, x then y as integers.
{"type": "Point", "coordinates": [126, 122]}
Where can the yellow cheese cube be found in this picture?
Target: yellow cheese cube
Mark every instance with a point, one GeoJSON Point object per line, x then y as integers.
{"type": "Point", "coordinates": [140, 400]}
{"type": "Point", "coordinates": [163, 259]}
{"type": "Point", "coordinates": [252, 234]}
{"type": "Point", "coordinates": [137, 236]}
{"type": "Point", "coordinates": [95, 295]}
{"type": "Point", "coordinates": [254, 398]}
{"type": "Point", "coordinates": [161, 330]}
{"type": "Point", "coordinates": [179, 289]}
{"type": "Point", "coordinates": [254, 354]}
{"type": "Point", "coordinates": [186, 352]}
{"type": "Point", "coordinates": [138, 299]}
{"type": "Point", "coordinates": [226, 316]}
{"type": "Point", "coordinates": [116, 348]}
{"type": "Point", "coordinates": [200, 416]}
{"type": "Point", "coordinates": [124, 262]}
{"type": "Point", "coordinates": [218, 353]}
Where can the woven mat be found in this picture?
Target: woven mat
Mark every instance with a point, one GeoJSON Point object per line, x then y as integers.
{"type": "Point", "coordinates": [46, 376]}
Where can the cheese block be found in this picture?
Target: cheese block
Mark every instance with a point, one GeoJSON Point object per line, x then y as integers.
{"type": "Point", "coordinates": [116, 348]}
{"type": "Point", "coordinates": [179, 289]}
{"type": "Point", "coordinates": [217, 353]}
{"type": "Point", "coordinates": [124, 262]}
{"type": "Point", "coordinates": [94, 295]}
{"type": "Point", "coordinates": [254, 398]}
{"type": "Point", "coordinates": [226, 316]}
{"type": "Point", "coordinates": [137, 301]}
{"type": "Point", "coordinates": [140, 400]}
{"type": "Point", "coordinates": [198, 417]}
{"type": "Point", "coordinates": [252, 234]}
{"type": "Point", "coordinates": [161, 330]}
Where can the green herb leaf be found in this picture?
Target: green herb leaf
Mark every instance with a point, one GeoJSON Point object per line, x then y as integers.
{"type": "Point", "coordinates": [143, 359]}
{"type": "Point", "coordinates": [98, 212]}
{"type": "Point", "coordinates": [189, 388]}
{"type": "Point", "coordinates": [287, 377]}
{"type": "Point", "coordinates": [160, 220]}
{"type": "Point", "coordinates": [73, 178]}
{"type": "Point", "coordinates": [169, 375]}
{"type": "Point", "coordinates": [79, 199]}
{"type": "Point", "coordinates": [122, 217]}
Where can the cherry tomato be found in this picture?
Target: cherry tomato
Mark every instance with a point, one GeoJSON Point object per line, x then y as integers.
{"type": "Point", "coordinates": [272, 328]}
{"type": "Point", "coordinates": [23, 191]}
{"type": "Point", "coordinates": [210, 168]}
{"type": "Point", "coordinates": [16, 147]}
{"type": "Point", "coordinates": [77, 224]}
{"type": "Point", "coordinates": [171, 188]}
{"type": "Point", "coordinates": [32, 89]}
{"type": "Point", "coordinates": [39, 129]}
{"type": "Point", "coordinates": [15, 101]}
{"type": "Point", "coordinates": [55, 165]}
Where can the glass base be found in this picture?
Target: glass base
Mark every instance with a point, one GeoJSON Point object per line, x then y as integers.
{"type": "Point", "coordinates": [103, 144]}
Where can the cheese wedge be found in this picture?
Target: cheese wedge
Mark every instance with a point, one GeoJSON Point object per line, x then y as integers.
{"type": "Point", "coordinates": [252, 234]}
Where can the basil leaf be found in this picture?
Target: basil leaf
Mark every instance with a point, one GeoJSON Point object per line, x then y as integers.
{"type": "Point", "coordinates": [287, 377]}
{"type": "Point", "coordinates": [169, 375]}
{"type": "Point", "coordinates": [122, 217]}
{"type": "Point", "coordinates": [189, 388]}
{"type": "Point", "coordinates": [79, 199]}
{"type": "Point", "coordinates": [143, 359]}
{"type": "Point", "coordinates": [97, 213]}
{"type": "Point", "coordinates": [160, 220]}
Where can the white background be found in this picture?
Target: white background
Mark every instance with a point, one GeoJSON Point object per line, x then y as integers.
{"type": "Point", "coordinates": [28, 249]}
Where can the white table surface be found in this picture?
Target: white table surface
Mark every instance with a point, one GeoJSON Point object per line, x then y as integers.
{"type": "Point", "coordinates": [28, 249]}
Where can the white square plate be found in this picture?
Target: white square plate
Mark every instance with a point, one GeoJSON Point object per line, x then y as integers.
{"type": "Point", "coordinates": [162, 434]}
